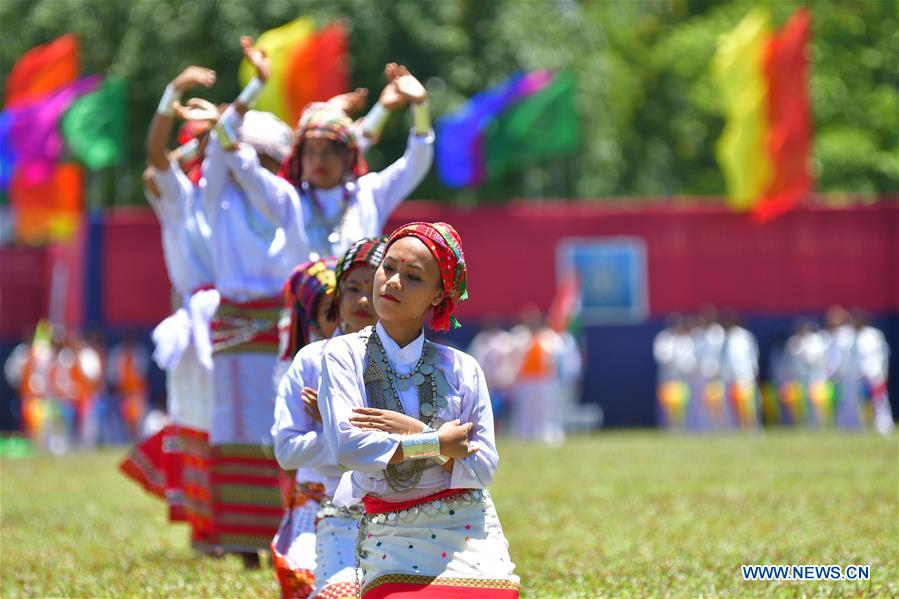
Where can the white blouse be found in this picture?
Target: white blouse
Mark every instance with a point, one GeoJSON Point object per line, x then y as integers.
{"type": "Point", "coordinates": [185, 232]}
{"type": "Point", "coordinates": [368, 452]}
{"type": "Point", "coordinates": [248, 251]}
{"type": "Point", "coordinates": [298, 439]}
{"type": "Point", "coordinates": [370, 199]}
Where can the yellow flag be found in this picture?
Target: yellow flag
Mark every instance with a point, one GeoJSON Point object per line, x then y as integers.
{"type": "Point", "coordinates": [277, 44]}
{"type": "Point", "coordinates": [738, 68]}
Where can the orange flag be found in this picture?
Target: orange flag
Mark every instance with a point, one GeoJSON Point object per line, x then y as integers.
{"type": "Point", "coordinates": [51, 210]}
{"type": "Point", "coordinates": [789, 138]}
{"type": "Point", "coordinates": [42, 70]}
{"type": "Point", "coordinates": [317, 69]}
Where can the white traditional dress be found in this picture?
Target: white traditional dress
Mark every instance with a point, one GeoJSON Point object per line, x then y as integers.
{"type": "Point", "coordinates": [439, 534]}
{"type": "Point", "coordinates": [315, 546]}
{"type": "Point", "coordinates": [325, 222]}
{"type": "Point", "coordinates": [183, 350]}
{"type": "Point", "coordinates": [740, 367]}
{"type": "Point", "coordinates": [249, 266]}
{"type": "Point", "coordinates": [872, 358]}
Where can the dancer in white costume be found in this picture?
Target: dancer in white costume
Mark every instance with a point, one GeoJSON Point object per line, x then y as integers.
{"type": "Point", "coordinates": [329, 545]}
{"type": "Point", "coordinates": [325, 198]}
{"type": "Point", "coordinates": [309, 295]}
{"type": "Point", "coordinates": [872, 359]}
{"type": "Point", "coordinates": [183, 346]}
{"type": "Point", "coordinates": [536, 392]}
{"type": "Point", "coordinates": [429, 529]}
{"type": "Point", "coordinates": [249, 268]}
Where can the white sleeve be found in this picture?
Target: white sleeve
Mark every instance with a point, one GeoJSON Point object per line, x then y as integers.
{"type": "Point", "coordinates": [174, 190]}
{"type": "Point", "coordinates": [355, 448]}
{"type": "Point", "coordinates": [476, 470]}
{"type": "Point", "coordinates": [214, 177]}
{"type": "Point", "coordinates": [297, 444]}
{"type": "Point", "coordinates": [392, 185]}
{"type": "Point", "coordinates": [275, 197]}
{"type": "Point", "coordinates": [272, 195]}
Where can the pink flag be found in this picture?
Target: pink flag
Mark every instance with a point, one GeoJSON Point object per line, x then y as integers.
{"type": "Point", "coordinates": [35, 135]}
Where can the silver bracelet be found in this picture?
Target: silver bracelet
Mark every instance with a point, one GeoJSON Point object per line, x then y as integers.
{"type": "Point", "coordinates": [167, 102]}
{"type": "Point", "coordinates": [440, 459]}
{"type": "Point", "coordinates": [226, 131]}
{"type": "Point", "coordinates": [249, 93]}
{"type": "Point", "coordinates": [374, 121]}
{"type": "Point", "coordinates": [421, 118]}
{"type": "Point", "coordinates": [421, 445]}
{"type": "Point", "coordinates": [188, 151]}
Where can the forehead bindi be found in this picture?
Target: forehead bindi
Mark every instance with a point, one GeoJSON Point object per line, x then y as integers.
{"type": "Point", "coordinates": [360, 274]}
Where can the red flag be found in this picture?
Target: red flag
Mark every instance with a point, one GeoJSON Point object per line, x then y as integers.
{"type": "Point", "coordinates": [42, 70]}
{"type": "Point", "coordinates": [566, 303]}
{"type": "Point", "coordinates": [790, 131]}
{"type": "Point", "coordinates": [317, 69]}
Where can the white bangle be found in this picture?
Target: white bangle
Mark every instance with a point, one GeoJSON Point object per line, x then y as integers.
{"type": "Point", "coordinates": [188, 151]}
{"type": "Point", "coordinates": [167, 102]}
{"type": "Point", "coordinates": [374, 121]}
{"type": "Point", "coordinates": [226, 130]}
{"type": "Point", "coordinates": [249, 94]}
{"type": "Point", "coordinates": [421, 445]}
{"type": "Point", "coordinates": [421, 118]}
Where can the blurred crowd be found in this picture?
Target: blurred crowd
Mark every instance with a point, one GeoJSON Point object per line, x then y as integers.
{"type": "Point", "coordinates": [820, 376]}
{"type": "Point", "coordinates": [74, 392]}
{"type": "Point", "coordinates": [534, 373]}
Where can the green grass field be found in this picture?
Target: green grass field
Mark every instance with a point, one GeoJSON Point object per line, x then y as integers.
{"type": "Point", "coordinates": [616, 514]}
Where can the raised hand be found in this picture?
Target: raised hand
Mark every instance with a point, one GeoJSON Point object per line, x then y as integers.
{"type": "Point", "coordinates": [310, 403]}
{"type": "Point", "coordinates": [409, 86]}
{"type": "Point", "coordinates": [351, 102]}
{"type": "Point", "coordinates": [256, 57]}
{"type": "Point", "coordinates": [386, 420]}
{"type": "Point", "coordinates": [391, 97]}
{"type": "Point", "coordinates": [194, 76]}
{"type": "Point", "coordinates": [198, 109]}
{"type": "Point", "coordinates": [454, 439]}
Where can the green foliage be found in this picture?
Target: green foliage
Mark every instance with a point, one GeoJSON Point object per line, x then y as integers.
{"type": "Point", "coordinates": [611, 515]}
{"type": "Point", "coordinates": [650, 111]}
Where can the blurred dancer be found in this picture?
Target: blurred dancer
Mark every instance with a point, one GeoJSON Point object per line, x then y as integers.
{"type": "Point", "coordinates": [740, 367]}
{"type": "Point", "coordinates": [872, 356]}
{"type": "Point", "coordinates": [535, 409]}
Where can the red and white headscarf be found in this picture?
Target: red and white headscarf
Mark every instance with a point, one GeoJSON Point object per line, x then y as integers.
{"type": "Point", "coordinates": [445, 244]}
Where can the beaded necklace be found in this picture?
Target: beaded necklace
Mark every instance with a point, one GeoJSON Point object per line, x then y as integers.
{"type": "Point", "coordinates": [325, 232]}
{"type": "Point", "coordinates": [382, 387]}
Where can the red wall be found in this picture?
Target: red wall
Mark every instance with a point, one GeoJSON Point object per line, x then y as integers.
{"type": "Point", "coordinates": [802, 262]}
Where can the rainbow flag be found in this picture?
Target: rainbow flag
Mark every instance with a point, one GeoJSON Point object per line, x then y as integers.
{"type": "Point", "coordinates": [46, 196]}
{"type": "Point", "coordinates": [527, 118]}
{"type": "Point", "coordinates": [765, 148]}
{"type": "Point", "coordinates": [307, 65]}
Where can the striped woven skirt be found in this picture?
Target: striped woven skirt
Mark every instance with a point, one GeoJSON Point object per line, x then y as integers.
{"type": "Point", "coordinates": [244, 476]}
{"type": "Point", "coordinates": [245, 501]}
{"type": "Point", "coordinates": [447, 545]}
{"type": "Point", "coordinates": [196, 488]}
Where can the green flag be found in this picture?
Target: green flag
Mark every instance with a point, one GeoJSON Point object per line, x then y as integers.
{"type": "Point", "coordinates": [94, 127]}
{"type": "Point", "coordinates": [541, 126]}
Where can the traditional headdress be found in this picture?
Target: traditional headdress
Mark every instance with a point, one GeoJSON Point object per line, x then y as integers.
{"type": "Point", "coordinates": [268, 134]}
{"type": "Point", "coordinates": [445, 245]}
{"type": "Point", "coordinates": [303, 291]}
{"type": "Point", "coordinates": [368, 251]}
{"type": "Point", "coordinates": [325, 121]}
{"type": "Point", "coordinates": [192, 130]}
